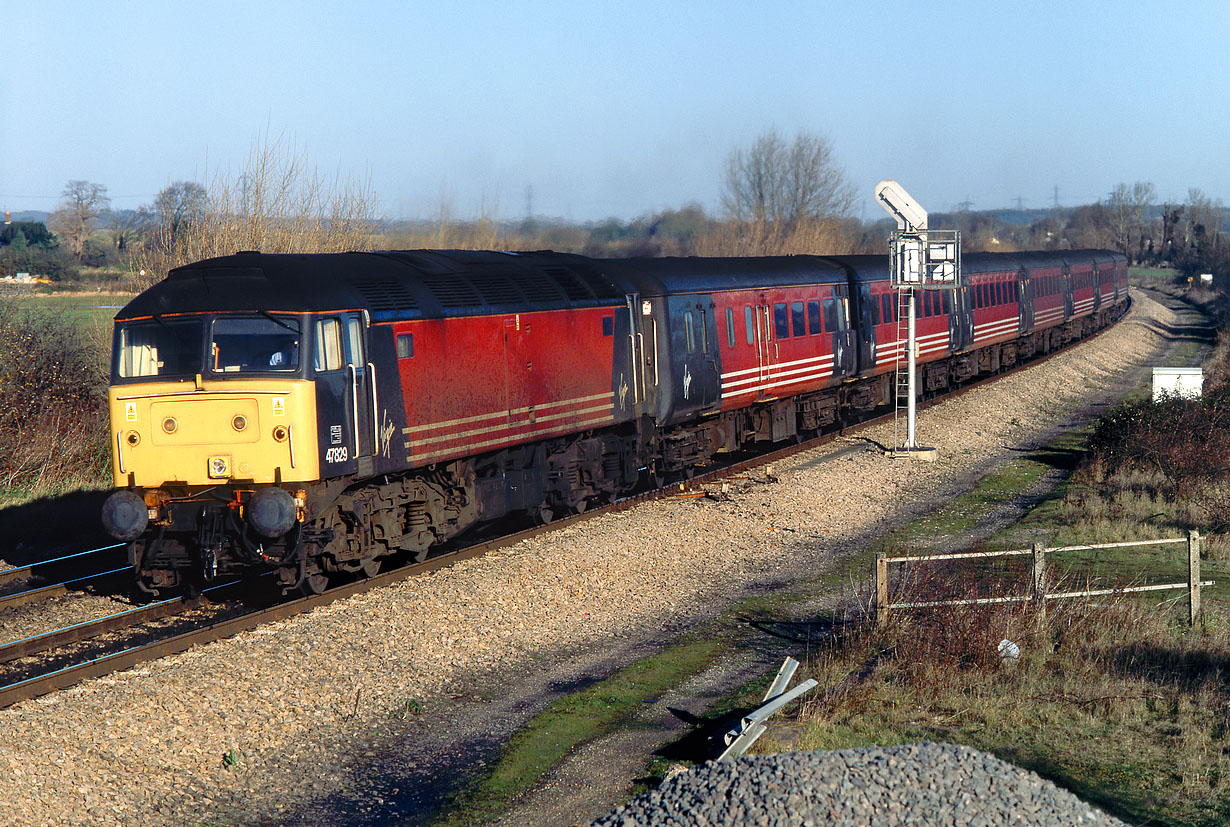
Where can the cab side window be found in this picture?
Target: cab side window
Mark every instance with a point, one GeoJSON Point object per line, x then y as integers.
{"type": "Point", "coordinates": [328, 347]}
{"type": "Point", "coordinates": [354, 342]}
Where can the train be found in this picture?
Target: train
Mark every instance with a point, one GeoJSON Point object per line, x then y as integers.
{"type": "Point", "coordinates": [316, 414]}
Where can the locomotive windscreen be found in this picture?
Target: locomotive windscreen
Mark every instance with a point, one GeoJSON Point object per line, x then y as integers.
{"type": "Point", "coordinates": [158, 348]}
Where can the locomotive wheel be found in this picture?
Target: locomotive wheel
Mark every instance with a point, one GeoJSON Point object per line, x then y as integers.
{"type": "Point", "coordinates": [314, 584]}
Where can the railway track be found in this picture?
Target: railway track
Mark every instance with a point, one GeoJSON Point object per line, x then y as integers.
{"type": "Point", "coordinates": [135, 622]}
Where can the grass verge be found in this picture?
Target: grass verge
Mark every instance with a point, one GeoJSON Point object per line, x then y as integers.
{"type": "Point", "coordinates": [572, 721]}
{"type": "Point", "coordinates": [1116, 699]}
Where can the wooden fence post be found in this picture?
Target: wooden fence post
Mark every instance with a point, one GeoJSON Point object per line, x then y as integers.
{"type": "Point", "coordinates": [1193, 576]}
{"type": "Point", "coordinates": [881, 588]}
{"type": "Point", "coordinates": [1039, 578]}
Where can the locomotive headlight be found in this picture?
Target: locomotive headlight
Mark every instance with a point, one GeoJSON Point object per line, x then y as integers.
{"type": "Point", "coordinates": [170, 425]}
{"type": "Point", "coordinates": [220, 467]}
{"type": "Point", "coordinates": [280, 433]}
{"type": "Point", "coordinates": [239, 422]}
{"type": "Point", "coordinates": [133, 439]}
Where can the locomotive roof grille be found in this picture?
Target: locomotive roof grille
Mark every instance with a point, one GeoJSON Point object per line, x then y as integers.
{"type": "Point", "coordinates": [384, 293]}
{"type": "Point", "coordinates": [452, 290]}
{"type": "Point", "coordinates": [573, 287]}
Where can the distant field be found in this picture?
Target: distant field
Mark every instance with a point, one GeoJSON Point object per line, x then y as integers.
{"type": "Point", "coordinates": [87, 310]}
{"type": "Point", "coordinates": [1153, 273]}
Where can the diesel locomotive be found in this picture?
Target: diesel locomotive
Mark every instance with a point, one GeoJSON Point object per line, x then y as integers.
{"type": "Point", "coordinates": [314, 414]}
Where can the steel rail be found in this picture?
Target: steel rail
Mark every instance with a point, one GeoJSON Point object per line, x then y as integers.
{"type": "Point", "coordinates": [33, 569]}
{"type": "Point", "coordinates": [127, 658]}
{"type": "Point", "coordinates": [87, 629]}
{"type": "Point", "coordinates": [15, 599]}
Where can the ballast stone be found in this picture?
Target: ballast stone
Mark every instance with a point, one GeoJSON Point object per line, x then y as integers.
{"type": "Point", "coordinates": [926, 783]}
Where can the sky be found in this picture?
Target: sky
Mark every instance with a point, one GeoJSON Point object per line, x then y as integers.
{"type": "Point", "coordinates": [585, 110]}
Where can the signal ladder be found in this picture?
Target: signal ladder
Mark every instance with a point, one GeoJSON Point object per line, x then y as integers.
{"type": "Point", "coordinates": [901, 375]}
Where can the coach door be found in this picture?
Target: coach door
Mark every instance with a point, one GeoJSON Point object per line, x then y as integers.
{"type": "Point", "coordinates": [1066, 281]}
{"type": "Point", "coordinates": [766, 347]}
{"type": "Point", "coordinates": [1025, 302]}
{"type": "Point", "coordinates": [837, 323]}
{"type": "Point", "coordinates": [962, 329]}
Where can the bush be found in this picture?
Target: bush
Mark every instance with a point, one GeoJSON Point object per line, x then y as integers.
{"type": "Point", "coordinates": [53, 419]}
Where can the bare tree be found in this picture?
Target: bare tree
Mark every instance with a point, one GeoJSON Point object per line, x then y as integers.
{"type": "Point", "coordinates": [129, 227]}
{"type": "Point", "coordinates": [176, 209]}
{"type": "Point", "coordinates": [775, 186]}
{"type": "Point", "coordinates": [84, 203]}
{"type": "Point", "coordinates": [1128, 207]}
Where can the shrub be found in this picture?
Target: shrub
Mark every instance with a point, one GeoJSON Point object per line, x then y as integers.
{"type": "Point", "coordinates": [53, 428]}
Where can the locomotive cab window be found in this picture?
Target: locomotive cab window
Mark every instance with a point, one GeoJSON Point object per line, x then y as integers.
{"type": "Point", "coordinates": [328, 348]}
{"type": "Point", "coordinates": [255, 344]}
{"type": "Point", "coordinates": [354, 342]}
{"type": "Point", "coordinates": [153, 348]}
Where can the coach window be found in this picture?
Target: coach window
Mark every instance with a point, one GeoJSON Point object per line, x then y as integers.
{"type": "Point", "coordinates": [704, 332]}
{"type": "Point", "coordinates": [830, 316]}
{"type": "Point", "coordinates": [608, 325]}
{"type": "Point", "coordinates": [946, 298]}
{"type": "Point", "coordinates": [798, 319]}
{"type": "Point", "coordinates": [813, 316]}
{"type": "Point", "coordinates": [749, 324]}
{"type": "Point", "coordinates": [781, 321]}
{"type": "Point", "coordinates": [687, 324]}
{"type": "Point", "coordinates": [328, 346]}
{"type": "Point", "coordinates": [886, 308]}
{"type": "Point", "coordinates": [405, 345]}
{"type": "Point", "coordinates": [730, 326]}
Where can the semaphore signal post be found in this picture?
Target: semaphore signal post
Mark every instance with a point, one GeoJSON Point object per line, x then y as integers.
{"type": "Point", "coordinates": [919, 259]}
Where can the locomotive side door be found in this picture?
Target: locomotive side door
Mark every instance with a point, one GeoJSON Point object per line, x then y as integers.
{"type": "Point", "coordinates": [362, 387]}
{"type": "Point", "coordinates": [345, 394]}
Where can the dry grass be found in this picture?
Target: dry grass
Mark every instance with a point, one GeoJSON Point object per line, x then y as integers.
{"type": "Point", "coordinates": [1115, 699]}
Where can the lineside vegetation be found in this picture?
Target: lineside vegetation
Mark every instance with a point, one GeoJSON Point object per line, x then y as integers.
{"type": "Point", "coordinates": [1115, 698]}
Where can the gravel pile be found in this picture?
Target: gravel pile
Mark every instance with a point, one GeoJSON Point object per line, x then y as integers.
{"type": "Point", "coordinates": [934, 784]}
{"type": "Point", "coordinates": [259, 726]}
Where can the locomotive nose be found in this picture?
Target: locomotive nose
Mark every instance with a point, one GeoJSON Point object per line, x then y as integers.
{"type": "Point", "coordinates": [125, 515]}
